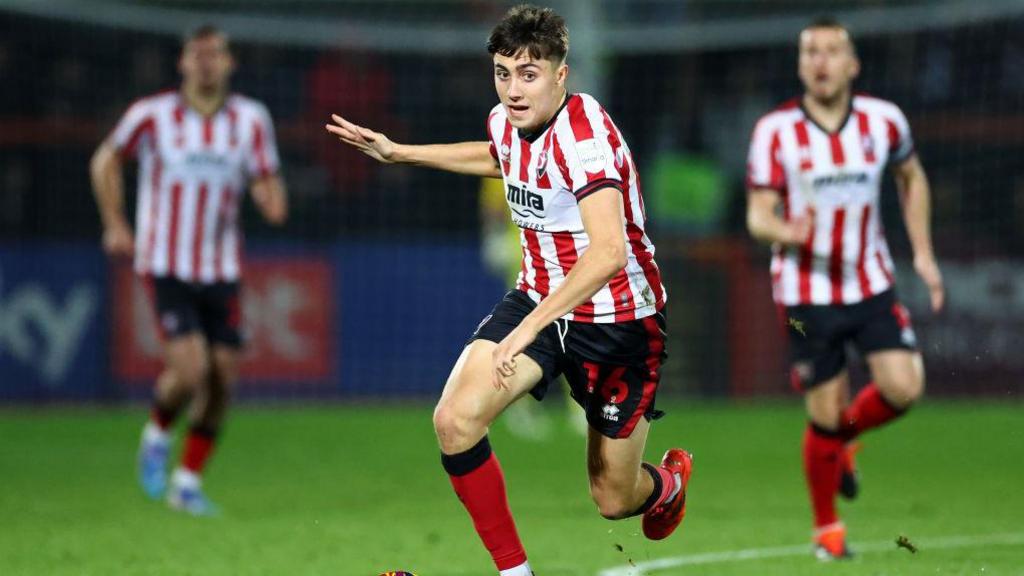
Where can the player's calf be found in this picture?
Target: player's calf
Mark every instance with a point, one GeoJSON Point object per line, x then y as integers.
{"type": "Point", "coordinates": [616, 502]}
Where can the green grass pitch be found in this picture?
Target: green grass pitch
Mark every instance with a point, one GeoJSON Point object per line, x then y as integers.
{"type": "Point", "coordinates": [357, 490]}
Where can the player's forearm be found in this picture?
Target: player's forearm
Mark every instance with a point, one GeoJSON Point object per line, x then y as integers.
{"type": "Point", "coordinates": [917, 213]}
{"type": "Point", "coordinates": [271, 199]}
{"type": "Point", "coordinates": [463, 157]}
{"type": "Point", "coordinates": [767, 227]}
{"type": "Point", "coordinates": [595, 268]}
{"type": "Point", "coordinates": [108, 186]}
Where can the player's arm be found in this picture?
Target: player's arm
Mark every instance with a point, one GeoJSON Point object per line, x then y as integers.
{"type": "Point", "coordinates": [915, 200]}
{"type": "Point", "coordinates": [766, 225]}
{"type": "Point", "coordinates": [105, 171]}
{"type": "Point", "coordinates": [604, 223]}
{"type": "Point", "coordinates": [271, 198]}
{"type": "Point", "coordinates": [463, 157]}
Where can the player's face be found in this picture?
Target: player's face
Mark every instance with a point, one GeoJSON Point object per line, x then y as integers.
{"type": "Point", "coordinates": [531, 90]}
{"type": "Point", "coordinates": [828, 64]}
{"type": "Point", "coordinates": [206, 63]}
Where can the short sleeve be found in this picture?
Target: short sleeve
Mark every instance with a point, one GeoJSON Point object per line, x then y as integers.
{"type": "Point", "coordinates": [764, 165]}
{"type": "Point", "coordinates": [264, 160]}
{"type": "Point", "coordinates": [492, 146]}
{"type": "Point", "coordinates": [137, 123]}
{"type": "Point", "coordinates": [587, 154]}
{"type": "Point", "coordinates": [901, 143]}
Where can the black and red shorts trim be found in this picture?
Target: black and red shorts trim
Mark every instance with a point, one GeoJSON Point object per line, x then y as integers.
{"type": "Point", "coordinates": [613, 370]}
{"type": "Point", "coordinates": [183, 308]}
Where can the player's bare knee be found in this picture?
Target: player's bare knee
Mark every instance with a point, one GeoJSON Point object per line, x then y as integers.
{"type": "Point", "coordinates": [191, 375]}
{"type": "Point", "coordinates": [456, 431]}
{"type": "Point", "coordinates": [906, 391]}
{"type": "Point", "coordinates": [612, 503]}
{"type": "Point", "coordinates": [827, 419]}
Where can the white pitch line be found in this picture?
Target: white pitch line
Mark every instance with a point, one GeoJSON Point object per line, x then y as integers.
{"type": "Point", "coordinates": [945, 543]}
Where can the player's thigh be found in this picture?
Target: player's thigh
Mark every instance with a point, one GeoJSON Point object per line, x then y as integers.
{"type": "Point", "coordinates": [826, 400]}
{"type": "Point", "coordinates": [184, 346]}
{"type": "Point", "coordinates": [613, 463]}
{"type": "Point", "coordinates": [899, 375]}
{"type": "Point", "coordinates": [226, 360]}
{"type": "Point", "coordinates": [187, 358]}
{"type": "Point", "coordinates": [470, 398]}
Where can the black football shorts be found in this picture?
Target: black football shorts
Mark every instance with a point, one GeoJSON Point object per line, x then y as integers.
{"type": "Point", "coordinates": [613, 370]}
{"type": "Point", "coordinates": [818, 335]}
{"type": "Point", "coordinates": [184, 308]}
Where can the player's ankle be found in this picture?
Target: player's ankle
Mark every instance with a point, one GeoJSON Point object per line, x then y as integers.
{"type": "Point", "coordinates": [153, 433]}
{"type": "Point", "coordinates": [520, 570]}
{"type": "Point", "coordinates": [186, 479]}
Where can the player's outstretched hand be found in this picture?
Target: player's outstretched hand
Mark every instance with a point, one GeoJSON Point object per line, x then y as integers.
{"type": "Point", "coordinates": [504, 355]}
{"type": "Point", "coordinates": [117, 240]}
{"type": "Point", "coordinates": [373, 144]}
{"type": "Point", "coordinates": [928, 269]}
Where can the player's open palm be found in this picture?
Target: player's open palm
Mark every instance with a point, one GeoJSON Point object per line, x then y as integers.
{"type": "Point", "coordinates": [118, 241]}
{"type": "Point", "coordinates": [373, 144]}
{"type": "Point", "coordinates": [928, 269]}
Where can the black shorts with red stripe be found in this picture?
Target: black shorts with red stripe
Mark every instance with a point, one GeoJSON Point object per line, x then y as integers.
{"type": "Point", "coordinates": [184, 308]}
{"type": "Point", "coordinates": [818, 335]}
{"type": "Point", "coordinates": [613, 370]}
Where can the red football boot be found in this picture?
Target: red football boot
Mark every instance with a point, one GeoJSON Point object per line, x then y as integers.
{"type": "Point", "coordinates": [662, 520]}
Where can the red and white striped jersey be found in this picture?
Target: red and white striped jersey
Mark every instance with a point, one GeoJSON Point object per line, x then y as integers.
{"type": "Point", "coordinates": [578, 152]}
{"type": "Point", "coordinates": [839, 176]}
{"type": "Point", "coordinates": [193, 170]}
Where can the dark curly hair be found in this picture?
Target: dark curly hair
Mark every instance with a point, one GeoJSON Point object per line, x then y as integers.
{"type": "Point", "coordinates": [541, 32]}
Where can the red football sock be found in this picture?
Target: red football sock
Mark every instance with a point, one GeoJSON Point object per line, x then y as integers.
{"type": "Point", "coordinates": [480, 484]}
{"type": "Point", "coordinates": [198, 447]}
{"type": "Point", "coordinates": [822, 469]}
{"type": "Point", "coordinates": [868, 410]}
{"type": "Point", "coordinates": [664, 486]}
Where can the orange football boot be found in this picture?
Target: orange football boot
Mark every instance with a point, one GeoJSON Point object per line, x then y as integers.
{"type": "Point", "coordinates": [830, 543]}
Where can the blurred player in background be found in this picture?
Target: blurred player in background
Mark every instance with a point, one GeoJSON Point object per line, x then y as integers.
{"type": "Point", "coordinates": [502, 253]}
{"type": "Point", "coordinates": [815, 172]}
{"type": "Point", "coordinates": [588, 304]}
{"type": "Point", "coordinates": [198, 149]}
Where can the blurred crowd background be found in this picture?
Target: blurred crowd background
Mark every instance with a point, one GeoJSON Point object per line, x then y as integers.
{"type": "Point", "coordinates": [371, 288]}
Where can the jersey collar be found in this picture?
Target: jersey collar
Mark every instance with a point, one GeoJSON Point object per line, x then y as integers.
{"type": "Point", "coordinates": [812, 120]}
{"type": "Point", "coordinates": [531, 137]}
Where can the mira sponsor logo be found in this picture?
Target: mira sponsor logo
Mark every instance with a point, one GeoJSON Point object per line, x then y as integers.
{"type": "Point", "coordinates": [524, 202]}
{"type": "Point", "coordinates": [840, 179]}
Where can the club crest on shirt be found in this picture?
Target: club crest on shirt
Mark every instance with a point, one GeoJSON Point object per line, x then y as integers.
{"type": "Point", "coordinates": [869, 144]}
{"type": "Point", "coordinates": [542, 164]}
